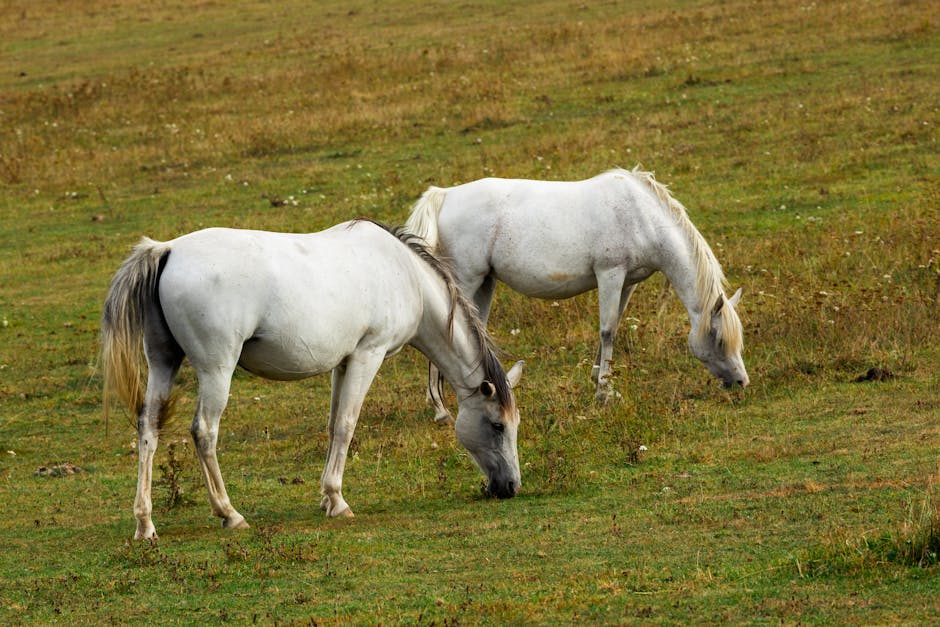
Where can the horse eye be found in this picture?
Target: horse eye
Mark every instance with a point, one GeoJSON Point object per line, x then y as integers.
{"type": "Point", "coordinates": [498, 427]}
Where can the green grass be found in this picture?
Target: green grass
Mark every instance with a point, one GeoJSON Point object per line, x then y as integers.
{"type": "Point", "coordinates": [801, 136]}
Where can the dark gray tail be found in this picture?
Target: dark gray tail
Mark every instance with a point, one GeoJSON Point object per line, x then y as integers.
{"type": "Point", "coordinates": [133, 293]}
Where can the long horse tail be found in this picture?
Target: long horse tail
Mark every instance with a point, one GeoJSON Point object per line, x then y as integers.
{"type": "Point", "coordinates": [423, 219]}
{"type": "Point", "coordinates": [132, 300]}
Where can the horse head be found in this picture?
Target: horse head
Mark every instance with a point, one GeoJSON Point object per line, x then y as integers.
{"type": "Point", "coordinates": [717, 342]}
{"type": "Point", "coordinates": [487, 425]}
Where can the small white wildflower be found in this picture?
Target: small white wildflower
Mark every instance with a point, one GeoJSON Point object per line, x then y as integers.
{"type": "Point", "coordinates": [13, 453]}
{"type": "Point", "coordinates": [643, 447]}
{"type": "Point", "coordinates": [515, 332]}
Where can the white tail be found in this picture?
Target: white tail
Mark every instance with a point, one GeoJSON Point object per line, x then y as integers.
{"type": "Point", "coordinates": [423, 219]}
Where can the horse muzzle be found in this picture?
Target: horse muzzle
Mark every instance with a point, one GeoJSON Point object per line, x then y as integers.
{"type": "Point", "coordinates": [742, 382]}
{"type": "Point", "coordinates": [502, 488]}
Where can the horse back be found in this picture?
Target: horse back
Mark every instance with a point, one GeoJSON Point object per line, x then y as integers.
{"type": "Point", "coordinates": [288, 305]}
{"type": "Point", "coordinates": [548, 238]}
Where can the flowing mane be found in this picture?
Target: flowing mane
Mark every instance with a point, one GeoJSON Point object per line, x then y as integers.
{"type": "Point", "coordinates": [492, 368]}
{"type": "Point", "coordinates": [710, 279]}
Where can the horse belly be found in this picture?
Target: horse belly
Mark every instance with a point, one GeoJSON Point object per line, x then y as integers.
{"type": "Point", "coordinates": [543, 268]}
{"type": "Point", "coordinates": [290, 358]}
{"type": "Point", "coordinates": [546, 282]}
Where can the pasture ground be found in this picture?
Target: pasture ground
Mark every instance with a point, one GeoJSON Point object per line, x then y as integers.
{"type": "Point", "coordinates": [802, 136]}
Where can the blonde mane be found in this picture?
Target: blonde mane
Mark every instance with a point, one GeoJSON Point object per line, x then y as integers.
{"type": "Point", "coordinates": [710, 279]}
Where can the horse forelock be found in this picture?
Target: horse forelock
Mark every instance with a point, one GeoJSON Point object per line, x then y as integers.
{"type": "Point", "coordinates": [492, 368]}
{"type": "Point", "coordinates": [732, 332]}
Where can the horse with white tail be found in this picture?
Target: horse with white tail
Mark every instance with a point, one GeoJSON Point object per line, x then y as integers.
{"type": "Point", "coordinates": [288, 306]}
{"type": "Point", "coordinates": [555, 240]}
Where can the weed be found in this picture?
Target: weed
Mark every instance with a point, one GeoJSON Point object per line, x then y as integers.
{"type": "Point", "coordinates": [172, 475]}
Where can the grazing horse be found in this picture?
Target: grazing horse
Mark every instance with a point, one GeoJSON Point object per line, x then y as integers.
{"type": "Point", "coordinates": [288, 306]}
{"type": "Point", "coordinates": [556, 240]}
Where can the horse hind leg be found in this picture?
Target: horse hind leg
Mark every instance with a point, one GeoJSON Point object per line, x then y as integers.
{"type": "Point", "coordinates": [164, 363]}
{"type": "Point", "coordinates": [442, 415]}
{"type": "Point", "coordinates": [213, 397]}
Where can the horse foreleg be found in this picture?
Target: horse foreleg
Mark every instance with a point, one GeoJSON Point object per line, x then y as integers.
{"type": "Point", "coordinates": [338, 376]}
{"type": "Point", "coordinates": [612, 296]}
{"type": "Point", "coordinates": [625, 295]}
{"type": "Point", "coordinates": [213, 397]}
{"type": "Point", "coordinates": [350, 384]}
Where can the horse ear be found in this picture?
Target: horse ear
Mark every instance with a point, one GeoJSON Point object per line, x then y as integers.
{"type": "Point", "coordinates": [515, 373]}
{"type": "Point", "coordinates": [718, 305]}
{"type": "Point", "coordinates": [487, 389]}
{"type": "Point", "coordinates": [734, 300]}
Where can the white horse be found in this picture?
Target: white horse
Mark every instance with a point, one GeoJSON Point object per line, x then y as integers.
{"type": "Point", "coordinates": [555, 240]}
{"type": "Point", "coordinates": [289, 306]}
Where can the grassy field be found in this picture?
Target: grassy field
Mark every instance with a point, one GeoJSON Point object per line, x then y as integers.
{"type": "Point", "coordinates": [802, 136]}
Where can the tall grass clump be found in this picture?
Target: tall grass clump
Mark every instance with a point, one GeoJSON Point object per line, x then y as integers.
{"type": "Point", "coordinates": [917, 543]}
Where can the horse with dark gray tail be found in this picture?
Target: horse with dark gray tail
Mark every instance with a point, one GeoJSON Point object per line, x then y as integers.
{"type": "Point", "coordinates": [289, 306]}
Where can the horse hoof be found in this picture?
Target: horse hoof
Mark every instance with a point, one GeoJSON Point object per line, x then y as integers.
{"type": "Point", "coordinates": [146, 532]}
{"type": "Point", "coordinates": [234, 522]}
{"type": "Point", "coordinates": [606, 396]}
{"type": "Point", "coordinates": [346, 513]}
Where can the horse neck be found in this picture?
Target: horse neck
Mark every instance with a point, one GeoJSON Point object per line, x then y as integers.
{"type": "Point", "coordinates": [456, 351]}
{"type": "Point", "coordinates": [686, 268]}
